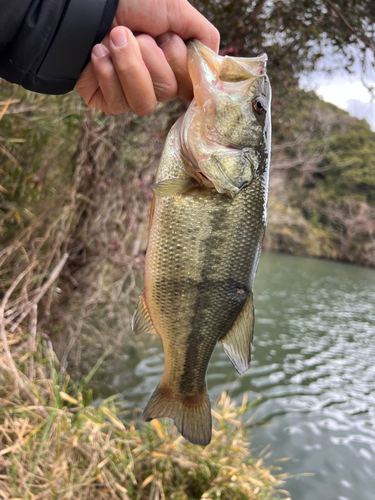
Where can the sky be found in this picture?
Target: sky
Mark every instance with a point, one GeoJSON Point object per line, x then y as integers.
{"type": "Point", "coordinates": [344, 90]}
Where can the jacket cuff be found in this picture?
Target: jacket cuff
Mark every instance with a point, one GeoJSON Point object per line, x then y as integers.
{"type": "Point", "coordinates": [84, 23]}
{"type": "Point", "coordinates": [72, 43]}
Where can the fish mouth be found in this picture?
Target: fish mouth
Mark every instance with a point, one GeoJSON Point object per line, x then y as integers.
{"type": "Point", "coordinates": [228, 69]}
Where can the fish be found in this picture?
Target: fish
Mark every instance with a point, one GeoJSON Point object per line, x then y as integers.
{"type": "Point", "coordinates": [207, 224]}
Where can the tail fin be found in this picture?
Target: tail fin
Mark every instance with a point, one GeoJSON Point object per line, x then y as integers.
{"type": "Point", "coordinates": [192, 420]}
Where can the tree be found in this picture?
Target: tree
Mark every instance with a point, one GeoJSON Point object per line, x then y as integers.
{"type": "Point", "coordinates": [295, 34]}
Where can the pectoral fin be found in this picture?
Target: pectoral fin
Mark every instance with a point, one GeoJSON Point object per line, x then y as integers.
{"type": "Point", "coordinates": [141, 322]}
{"type": "Point", "coordinates": [151, 218]}
{"type": "Point", "coordinates": [237, 342]}
{"type": "Point", "coordinates": [169, 187]}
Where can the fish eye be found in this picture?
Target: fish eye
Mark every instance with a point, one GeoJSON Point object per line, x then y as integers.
{"type": "Point", "coordinates": [259, 105]}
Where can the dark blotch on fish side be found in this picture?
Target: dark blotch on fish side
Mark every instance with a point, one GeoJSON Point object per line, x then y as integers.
{"type": "Point", "coordinates": [223, 300]}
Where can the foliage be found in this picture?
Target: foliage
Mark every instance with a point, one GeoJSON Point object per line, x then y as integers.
{"type": "Point", "coordinates": [325, 159]}
{"type": "Point", "coordinates": [326, 150]}
{"type": "Point", "coordinates": [33, 151]}
{"type": "Point", "coordinates": [348, 168]}
{"type": "Point", "coordinates": [295, 34]}
{"type": "Point", "coordinates": [55, 444]}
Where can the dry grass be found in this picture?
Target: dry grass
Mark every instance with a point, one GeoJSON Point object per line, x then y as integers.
{"type": "Point", "coordinates": [74, 203]}
{"type": "Point", "coordinates": [54, 444]}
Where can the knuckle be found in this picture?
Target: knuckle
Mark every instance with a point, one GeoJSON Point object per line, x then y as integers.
{"type": "Point", "coordinates": [165, 91]}
{"type": "Point", "coordinates": [104, 70]}
{"type": "Point", "coordinates": [105, 76]}
{"type": "Point", "coordinates": [129, 67]}
{"type": "Point", "coordinates": [126, 65]}
{"type": "Point", "coordinates": [116, 106]}
{"type": "Point", "coordinates": [145, 108]}
{"type": "Point", "coordinates": [91, 102]}
{"type": "Point", "coordinates": [114, 111]}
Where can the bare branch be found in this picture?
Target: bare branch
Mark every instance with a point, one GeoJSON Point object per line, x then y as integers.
{"type": "Point", "coordinates": [359, 34]}
{"type": "Point", "coordinates": [258, 8]}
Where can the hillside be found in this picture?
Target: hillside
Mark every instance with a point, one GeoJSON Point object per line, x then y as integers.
{"type": "Point", "coordinates": [322, 189]}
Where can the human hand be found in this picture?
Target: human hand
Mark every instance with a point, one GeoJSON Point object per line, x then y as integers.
{"type": "Point", "coordinates": [143, 59]}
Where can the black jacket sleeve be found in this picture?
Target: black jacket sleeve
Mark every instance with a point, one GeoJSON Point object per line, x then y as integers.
{"type": "Point", "coordinates": [45, 44]}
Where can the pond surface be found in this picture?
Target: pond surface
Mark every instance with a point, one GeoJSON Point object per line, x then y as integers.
{"type": "Point", "coordinates": [314, 366]}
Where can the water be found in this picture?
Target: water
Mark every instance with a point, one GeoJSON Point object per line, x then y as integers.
{"type": "Point", "coordinates": [314, 367]}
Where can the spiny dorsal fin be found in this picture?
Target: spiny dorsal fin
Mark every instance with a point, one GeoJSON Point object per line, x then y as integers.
{"type": "Point", "coordinates": [169, 187]}
{"type": "Point", "coordinates": [237, 342]}
{"type": "Point", "coordinates": [141, 322]}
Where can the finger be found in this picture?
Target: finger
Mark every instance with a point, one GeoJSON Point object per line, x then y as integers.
{"type": "Point", "coordinates": [163, 78]}
{"type": "Point", "coordinates": [109, 83]}
{"type": "Point", "coordinates": [178, 16]}
{"type": "Point", "coordinates": [175, 52]}
{"type": "Point", "coordinates": [132, 72]}
{"type": "Point", "coordinates": [87, 84]}
{"type": "Point", "coordinates": [188, 23]}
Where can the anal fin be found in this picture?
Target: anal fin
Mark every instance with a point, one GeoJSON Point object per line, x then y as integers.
{"type": "Point", "coordinates": [141, 322]}
{"type": "Point", "coordinates": [237, 342]}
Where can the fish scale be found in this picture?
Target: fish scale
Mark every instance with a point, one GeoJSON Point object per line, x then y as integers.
{"type": "Point", "coordinates": [206, 231]}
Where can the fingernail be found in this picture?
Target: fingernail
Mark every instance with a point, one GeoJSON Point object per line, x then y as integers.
{"type": "Point", "coordinates": [99, 50]}
{"type": "Point", "coordinates": [119, 38]}
{"type": "Point", "coordinates": [164, 38]}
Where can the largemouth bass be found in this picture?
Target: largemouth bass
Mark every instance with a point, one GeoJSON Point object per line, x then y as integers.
{"type": "Point", "coordinates": [207, 225]}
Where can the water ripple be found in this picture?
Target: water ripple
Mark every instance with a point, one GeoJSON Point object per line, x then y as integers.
{"type": "Point", "coordinates": [314, 366]}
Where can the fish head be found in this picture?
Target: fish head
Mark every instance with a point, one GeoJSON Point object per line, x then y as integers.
{"type": "Point", "coordinates": [225, 134]}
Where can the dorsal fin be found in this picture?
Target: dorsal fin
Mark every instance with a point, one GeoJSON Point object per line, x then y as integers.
{"type": "Point", "coordinates": [237, 342]}
{"type": "Point", "coordinates": [141, 322]}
